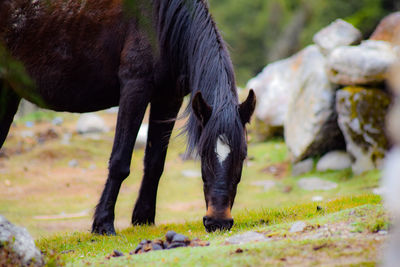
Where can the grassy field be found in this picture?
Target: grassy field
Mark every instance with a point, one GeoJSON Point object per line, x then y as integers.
{"type": "Point", "coordinates": [54, 199]}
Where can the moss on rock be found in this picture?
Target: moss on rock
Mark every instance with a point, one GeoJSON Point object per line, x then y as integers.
{"type": "Point", "coordinates": [362, 113]}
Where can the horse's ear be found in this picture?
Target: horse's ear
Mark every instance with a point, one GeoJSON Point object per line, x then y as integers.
{"type": "Point", "coordinates": [246, 109]}
{"type": "Point", "coordinates": [201, 109]}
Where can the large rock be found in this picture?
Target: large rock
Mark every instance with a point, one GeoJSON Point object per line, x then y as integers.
{"type": "Point", "coordinates": [338, 33]}
{"type": "Point", "coordinates": [311, 126]}
{"type": "Point", "coordinates": [388, 29]}
{"type": "Point", "coordinates": [91, 123]}
{"type": "Point", "coordinates": [19, 240]}
{"type": "Point", "coordinates": [361, 118]}
{"type": "Point", "coordinates": [273, 87]}
{"type": "Point", "coordinates": [367, 63]}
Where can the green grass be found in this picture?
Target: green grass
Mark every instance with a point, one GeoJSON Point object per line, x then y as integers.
{"type": "Point", "coordinates": [87, 248]}
{"type": "Point", "coordinates": [42, 183]}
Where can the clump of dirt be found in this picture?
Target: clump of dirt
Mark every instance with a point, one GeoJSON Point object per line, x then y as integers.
{"type": "Point", "coordinates": [172, 240]}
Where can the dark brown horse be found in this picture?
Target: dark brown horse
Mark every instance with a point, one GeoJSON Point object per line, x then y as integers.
{"type": "Point", "coordinates": [87, 55]}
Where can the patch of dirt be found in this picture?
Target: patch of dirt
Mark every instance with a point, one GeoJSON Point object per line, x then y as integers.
{"type": "Point", "coordinates": [185, 206]}
{"type": "Point", "coordinates": [279, 170]}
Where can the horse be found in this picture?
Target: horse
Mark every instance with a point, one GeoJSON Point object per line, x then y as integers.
{"type": "Point", "coordinates": [85, 56]}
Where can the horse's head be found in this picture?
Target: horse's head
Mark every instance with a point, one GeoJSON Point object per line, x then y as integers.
{"type": "Point", "coordinates": [222, 155]}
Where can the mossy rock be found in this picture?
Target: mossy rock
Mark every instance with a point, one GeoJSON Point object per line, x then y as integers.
{"type": "Point", "coordinates": [260, 131]}
{"type": "Point", "coordinates": [361, 117]}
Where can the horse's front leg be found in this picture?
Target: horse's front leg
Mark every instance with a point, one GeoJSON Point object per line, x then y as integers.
{"type": "Point", "coordinates": [133, 102]}
{"type": "Point", "coordinates": [163, 113]}
{"type": "Point", "coordinates": [9, 102]}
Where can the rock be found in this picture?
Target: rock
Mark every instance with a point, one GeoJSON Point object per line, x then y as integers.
{"type": "Point", "coordinates": [91, 123]}
{"type": "Point", "coordinates": [73, 163]}
{"type": "Point", "coordinates": [367, 63]}
{"type": "Point", "coordinates": [391, 182]}
{"type": "Point", "coordinates": [191, 173]}
{"type": "Point", "coordinates": [362, 121]}
{"type": "Point", "coordinates": [311, 122]}
{"type": "Point", "coordinates": [21, 243]}
{"type": "Point", "coordinates": [338, 33]}
{"type": "Point", "coordinates": [388, 29]}
{"type": "Point", "coordinates": [317, 199]}
{"type": "Point", "coordinates": [57, 121]}
{"type": "Point", "coordinates": [246, 238]}
{"type": "Point", "coordinates": [266, 184]}
{"type": "Point", "coordinates": [302, 167]}
{"type": "Point", "coordinates": [334, 160]}
{"type": "Point", "coordinates": [141, 138]}
{"type": "Point", "coordinates": [298, 227]}
{"type": "Point", "coordinates": [313, 183]}
{"type": "Point", "coordinates": [273, 87]}
{"type": "Point", "coordinates": [169, 236]}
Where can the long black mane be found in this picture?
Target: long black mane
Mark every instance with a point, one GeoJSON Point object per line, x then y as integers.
{"type": "Point", "coordinates": [190, 42]}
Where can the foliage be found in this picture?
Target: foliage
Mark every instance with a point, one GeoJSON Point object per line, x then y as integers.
{"type": "Point", "coordinates": [256, 30]}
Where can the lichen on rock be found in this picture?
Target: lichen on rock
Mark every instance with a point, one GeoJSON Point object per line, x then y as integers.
{"type": "Point", "coordinates": [361, 117]}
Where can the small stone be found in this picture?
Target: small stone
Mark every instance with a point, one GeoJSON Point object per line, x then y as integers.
{"type": "Point", "coordinates": [302, 167]}
{"type": "Point", "coordinates": [73, 163]}
{"type": "Point", "coordinates": [176, 245]}
{"type": "Point", "coordinates": [317, 198]}
{"type": "Point", "coordinates": [313, 183]}
{"type": "Point", "coordinates": [246, 238]}
{"type": "Point", "coordinates": [91, 123]}
{"type": "Point", "coordinates": [117, 253]}
{"type": "Point", "coordinates": [29, 124]}
{"type": "Point", "coordinates": [191, 173]}
{"type": "Point", "coordinates": [180, 238]}
{"type": "Point", "coordinates": [169, 236]}
{"type": "Point", "coordinates": [298, 227]}
{"type": "Point", "coordinates": [266, 184]}
{"type": "Point", "coordinates": [157, 246]}
{"type": "Point", "coordinates": [57, 121]}
{"type": "Point", "coordinates": [334, 160]}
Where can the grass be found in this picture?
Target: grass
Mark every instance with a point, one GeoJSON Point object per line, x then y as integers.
{"type": "Point", "coordinates": [38, 180]}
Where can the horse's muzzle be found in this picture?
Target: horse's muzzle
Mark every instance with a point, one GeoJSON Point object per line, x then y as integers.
{"type": "Point", "coordinates": [213, 225]}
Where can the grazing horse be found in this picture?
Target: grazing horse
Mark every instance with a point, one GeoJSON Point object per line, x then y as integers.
{"type": "Point", "coordinates": [87, 55]}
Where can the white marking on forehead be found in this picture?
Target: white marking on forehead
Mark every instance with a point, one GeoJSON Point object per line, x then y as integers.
{"type": "Point", "coordinates": [222, 149]}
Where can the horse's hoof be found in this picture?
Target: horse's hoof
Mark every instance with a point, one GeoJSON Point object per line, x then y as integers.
{"type": "Point", "coordinates": [142, 220]}
{"type": "Point", "coordinates": [103, 229]}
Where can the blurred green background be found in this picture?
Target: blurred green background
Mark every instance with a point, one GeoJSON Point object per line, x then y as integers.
{"type": "Point", "coordinates": [262, 31]}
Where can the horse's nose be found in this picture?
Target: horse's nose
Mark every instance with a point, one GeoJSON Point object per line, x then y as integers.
{"type": "Point", "coordinates": [212, 224]}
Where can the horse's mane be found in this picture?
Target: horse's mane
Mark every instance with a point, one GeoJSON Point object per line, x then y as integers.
{"type": "Point", "coordinates": [191, 43]}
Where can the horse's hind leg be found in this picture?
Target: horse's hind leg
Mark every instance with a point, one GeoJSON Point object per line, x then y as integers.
{"type": "Point", "coordinates": [8, 107]}
{"type": "Point", "coordinates": [163, 113]}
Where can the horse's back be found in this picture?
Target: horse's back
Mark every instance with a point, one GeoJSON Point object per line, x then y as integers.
{"type": "Point", "coordinates": [72, 50]}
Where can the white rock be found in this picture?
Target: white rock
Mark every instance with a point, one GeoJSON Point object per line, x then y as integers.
{"type": "Point", "coordinates": [91, 123]}
{"type": "Point", "coordinates": [338, 33]}
{"type": "Point", "coordinates": [317, 198]}
{"type": "Point", "coordinates": [21, 242]}
{"type": "Point", "coordinates": [364, 64]}
{"type": "Point", "coordinates": [311, 126]}
{"type": "Point", "coordinates": [302, 167]}
{"type": "Point", "coordinates": [298, 227]}
{"type": "Point", "coordinates": [314, 183]}
{"type": "Point", "coordinates": [191, 173]}
{"type": "Point", "coordinates": [246, 238]}
{"type": "Point", "coordinates": [267, 184]}
{"type": "Point", "coordinates": [273, 87]}
{"type": "Point", "coordinates": [334, 160]}
{"type": "Point", "coordinates": [391, 181]}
